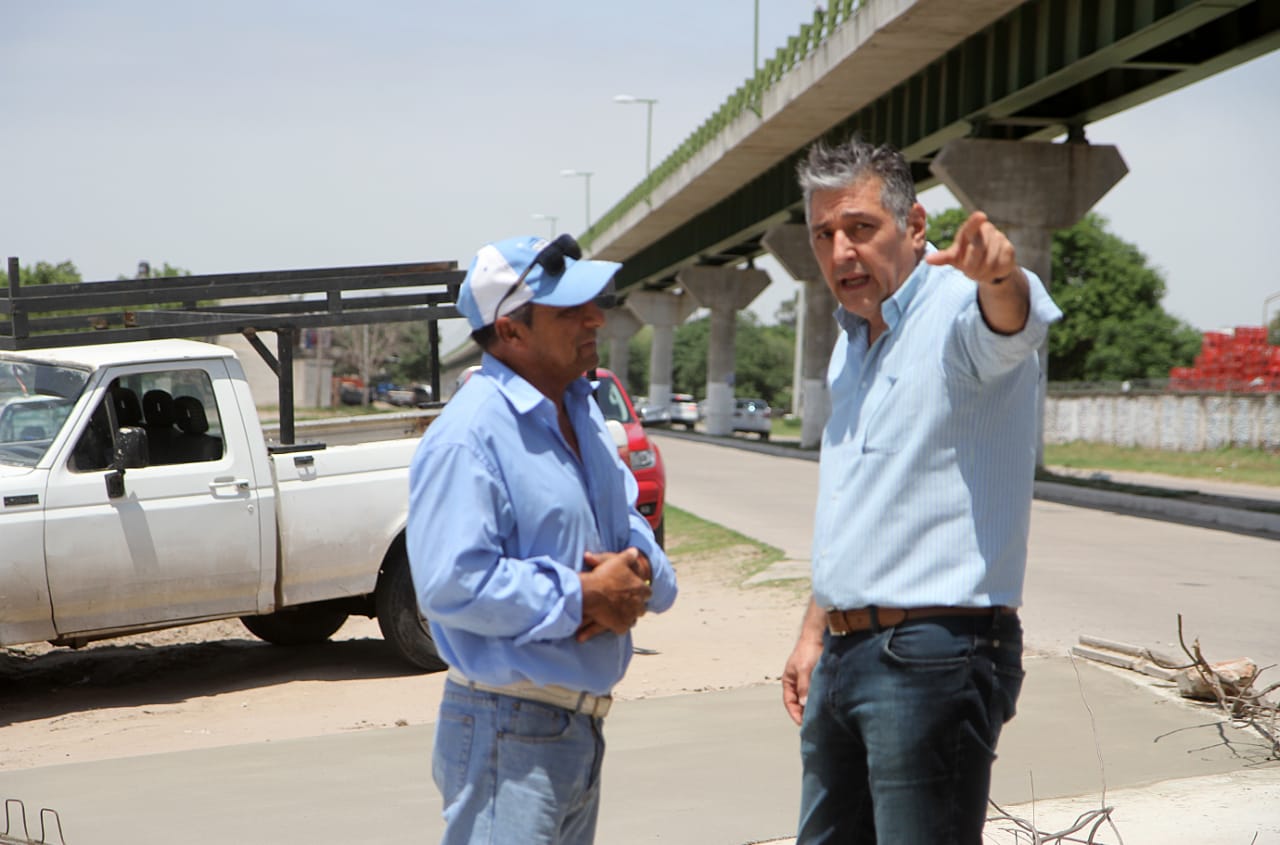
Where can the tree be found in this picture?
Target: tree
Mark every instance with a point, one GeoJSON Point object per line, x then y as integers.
{"type": "Point", "coordinates": [366, 350]}
{"type": "Point", "coordinates": [763, 359]}
{"type": "Point", "coordinates": [1273, 331]}
{"type": "Point", "coordinates": [44, 273]}
{"type": "Point", "coordinates": [1113, 327]}
{"type": "Point", "coordinates": [942, 227]}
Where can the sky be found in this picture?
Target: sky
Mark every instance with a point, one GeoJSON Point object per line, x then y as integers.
{"type": "Point", "coordinates": [251, 135]}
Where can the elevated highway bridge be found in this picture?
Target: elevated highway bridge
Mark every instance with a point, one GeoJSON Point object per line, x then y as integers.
{"type": "Point", "coordinates": [915, 74]}
{"type": "Point", "coordinates": [972, 92]}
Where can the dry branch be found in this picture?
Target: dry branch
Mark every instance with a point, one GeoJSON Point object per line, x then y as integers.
{"type": "Point", "coordinates": [1245, 706]}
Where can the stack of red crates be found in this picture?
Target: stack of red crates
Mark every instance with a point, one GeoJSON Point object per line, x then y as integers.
{"type": "Point", "coordinates": [1240, 362]}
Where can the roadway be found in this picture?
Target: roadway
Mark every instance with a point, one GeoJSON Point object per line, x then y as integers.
{"type": "Point", "coordinates": [1089, 571]}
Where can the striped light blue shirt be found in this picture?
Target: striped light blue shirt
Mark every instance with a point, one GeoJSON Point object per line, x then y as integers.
{"type": "Point", "coordinates": [501, 511]}
{"type": "Point", "coordinates": [928, 458]}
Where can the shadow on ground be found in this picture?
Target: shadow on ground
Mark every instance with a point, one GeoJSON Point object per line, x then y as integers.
{"type": "Point", "coordinates": [67, 681]}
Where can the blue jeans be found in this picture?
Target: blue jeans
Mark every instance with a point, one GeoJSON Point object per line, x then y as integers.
{"type": "Point", "coordinates": [512, 770]}
{"type": "Point", "coordinates": [900, 731]}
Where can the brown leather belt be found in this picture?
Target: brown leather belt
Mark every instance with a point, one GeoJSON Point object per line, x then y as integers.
{"type": "Point", "coordinates": [841, 622]}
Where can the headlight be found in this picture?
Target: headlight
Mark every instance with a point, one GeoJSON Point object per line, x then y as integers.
{"type": "Point", "coordinates": [643, 459]}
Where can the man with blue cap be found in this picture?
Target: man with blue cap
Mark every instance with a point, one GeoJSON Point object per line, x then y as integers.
{"type": "Point", "coordinates": [528, 555]}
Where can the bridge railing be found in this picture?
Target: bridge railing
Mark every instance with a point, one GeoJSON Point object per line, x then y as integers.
{"type": "Point", "coordinates": [746, 98]}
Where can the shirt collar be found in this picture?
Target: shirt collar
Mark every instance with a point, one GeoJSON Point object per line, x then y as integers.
{"type": "Point", "coordinates": [522, 395]}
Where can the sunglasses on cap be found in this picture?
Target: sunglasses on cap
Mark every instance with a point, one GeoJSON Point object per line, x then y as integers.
{"type": "Point", "coordinates": [550, 258]}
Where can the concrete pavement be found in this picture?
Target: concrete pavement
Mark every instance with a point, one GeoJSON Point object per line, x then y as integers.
{"type": "Point", "coordinates": [718, 767]}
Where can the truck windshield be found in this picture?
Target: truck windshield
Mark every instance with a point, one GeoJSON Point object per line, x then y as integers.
{"type": "Point", "coordinates": [35, 399]}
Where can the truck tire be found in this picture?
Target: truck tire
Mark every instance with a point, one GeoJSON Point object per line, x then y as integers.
{"type": "Point", "coordinates": [660, 533]}
{"type": "Point", "coordinates": [403, 626]}
{"type": "Point", "coordinates": [306, 624]}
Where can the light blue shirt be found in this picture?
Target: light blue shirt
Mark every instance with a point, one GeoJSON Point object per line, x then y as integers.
{"type": "Point", "coordinates": [928, 458]}
{"type": "Point", "coordinates": [501, 511]}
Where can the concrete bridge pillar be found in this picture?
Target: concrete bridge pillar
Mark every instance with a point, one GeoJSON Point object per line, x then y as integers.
{"type": "Point", "coordinates": [815, 327]}
{"type": "Point", "coordinates": [1030, 190]}
{"type": "Point", "coordinates": [620, 326]}
{"type": "Point", "coordinates": [726, 291]}
{"type": "Point", "coordinates": [664, 310]}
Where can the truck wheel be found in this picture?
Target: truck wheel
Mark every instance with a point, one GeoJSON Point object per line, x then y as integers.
{"type": "Point", "coordinates": [305, 624]}
{"type": "Point", "coordinates": [660, 533]}
{"type": "Point", "coordinates": [403, 626]}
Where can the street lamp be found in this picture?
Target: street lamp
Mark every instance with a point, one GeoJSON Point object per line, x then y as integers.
{"type": "Point", "coordinates": [586, 184]}
{"type": "Point", "coordinates": [628, 100]}
{"type": "Point", "coordinates": [550, 217]}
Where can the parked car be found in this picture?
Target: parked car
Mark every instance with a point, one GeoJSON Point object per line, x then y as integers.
{"type": "Point", "coordinates": [642, 453]}
{"type": "Point", "coordinates": [684, 410]}
{"type": "Point", "coordinates": [753, 415]}
{"type": "Point", "coordinates": [651, 414]}
{"type": "Point", "coordinates": [413, 396]}
{"type": "Point", "coordinates": [141, 492]}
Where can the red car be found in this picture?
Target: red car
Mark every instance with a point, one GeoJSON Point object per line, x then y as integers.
{"type": "Point", "coordinates": [642, 453]}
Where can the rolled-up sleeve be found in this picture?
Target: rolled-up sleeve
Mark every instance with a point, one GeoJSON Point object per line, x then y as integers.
{"type": "Point", "coordinates": [664, 575]}
{"type": "Point", "coordinates": [992, 354]}
{"type": "Point", "coordinates": [458, 513]}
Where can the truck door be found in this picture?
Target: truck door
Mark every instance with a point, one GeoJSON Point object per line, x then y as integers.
{"type": "Point", "coordinates": [183, 541]}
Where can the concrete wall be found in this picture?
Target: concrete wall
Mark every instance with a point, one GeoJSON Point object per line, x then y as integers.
{"type": "Point", "coordinates": [1191, 422]}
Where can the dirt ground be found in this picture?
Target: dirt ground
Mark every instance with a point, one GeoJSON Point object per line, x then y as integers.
{"type": "Point", "coordinates": [208, 685]}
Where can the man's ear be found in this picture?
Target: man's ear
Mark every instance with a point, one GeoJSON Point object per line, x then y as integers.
{"type": "Point", "coordinates": [508, 330]}
{"type": "Point", "coordinates": [917, 225]}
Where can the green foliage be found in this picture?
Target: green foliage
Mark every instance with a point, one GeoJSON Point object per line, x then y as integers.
{"type": "Point", "coordinates": [942, 227]}
{"type": "Point", "coordinates": [1114, 327]}
{"type": "Point", "coordinates": [1251, 466]}
{"type": "Point", "coordinates": [763, 355]}
{"type": "Point", "coordinates": [44, 273]}
{"type": "Point", "coordinates": [1273, 331]}
{"type": "Point", "coordinates": [412, 364]}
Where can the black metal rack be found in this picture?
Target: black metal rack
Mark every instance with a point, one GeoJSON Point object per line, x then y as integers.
{"type": "Point", "coordinates": [281, 301]}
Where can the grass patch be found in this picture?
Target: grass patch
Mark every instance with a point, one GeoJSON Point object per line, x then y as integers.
{"type": "Point", "coordinates": [690, 538]}
{"type": "Point", "coordinates": [1247, 466]}
{"type": "Point", "coordinates": [785, 426]}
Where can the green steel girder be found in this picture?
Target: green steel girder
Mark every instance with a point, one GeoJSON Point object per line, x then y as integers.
{"type": "Point", "coordinates": [1047, 67]}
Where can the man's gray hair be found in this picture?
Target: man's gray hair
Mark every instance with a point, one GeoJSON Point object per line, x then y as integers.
{"type": "Point", "coordinates": [837, 168]}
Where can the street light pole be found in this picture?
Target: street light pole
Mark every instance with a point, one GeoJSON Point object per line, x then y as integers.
{"type": "Point", "coordinates": [550, 217]}
{"type": "Point", "coordinates": [755, 48]}
{"type": "Point", "coordinates": [586, 187]}
{"type": "Point", "coordinates": [628, 99]}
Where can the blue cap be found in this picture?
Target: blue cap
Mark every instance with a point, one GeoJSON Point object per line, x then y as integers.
{"type": "Point", "coordinates": [490, 289]}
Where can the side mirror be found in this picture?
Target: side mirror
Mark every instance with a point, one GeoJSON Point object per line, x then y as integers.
{"type": "Point", "coordinates": [131, 452]}
{"type": "Point", "coordinates": [619, 434]}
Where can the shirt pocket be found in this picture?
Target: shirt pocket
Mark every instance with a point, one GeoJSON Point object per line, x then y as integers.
{"type": "Point", "coordinates": [894, 407]}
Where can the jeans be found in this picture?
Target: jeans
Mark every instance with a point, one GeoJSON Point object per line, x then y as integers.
{"type": "Point", "coordinates": [512, 770]}
{"type": "Point", "coordinates": [900, 730]}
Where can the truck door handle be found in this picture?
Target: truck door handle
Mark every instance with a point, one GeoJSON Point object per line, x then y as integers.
{"type": "Point", "coordinates": [241, 484]}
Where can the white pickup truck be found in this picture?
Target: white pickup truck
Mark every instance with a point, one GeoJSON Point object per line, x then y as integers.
{"type": "Point", "coordinates": [138, 492]}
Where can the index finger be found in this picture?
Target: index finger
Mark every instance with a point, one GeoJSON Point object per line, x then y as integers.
{"type": "Point", "coordinates": [966, 237]}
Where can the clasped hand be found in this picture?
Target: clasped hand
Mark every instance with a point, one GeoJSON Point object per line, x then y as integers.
{"type": "Point", "coordinates": [615, 591]}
